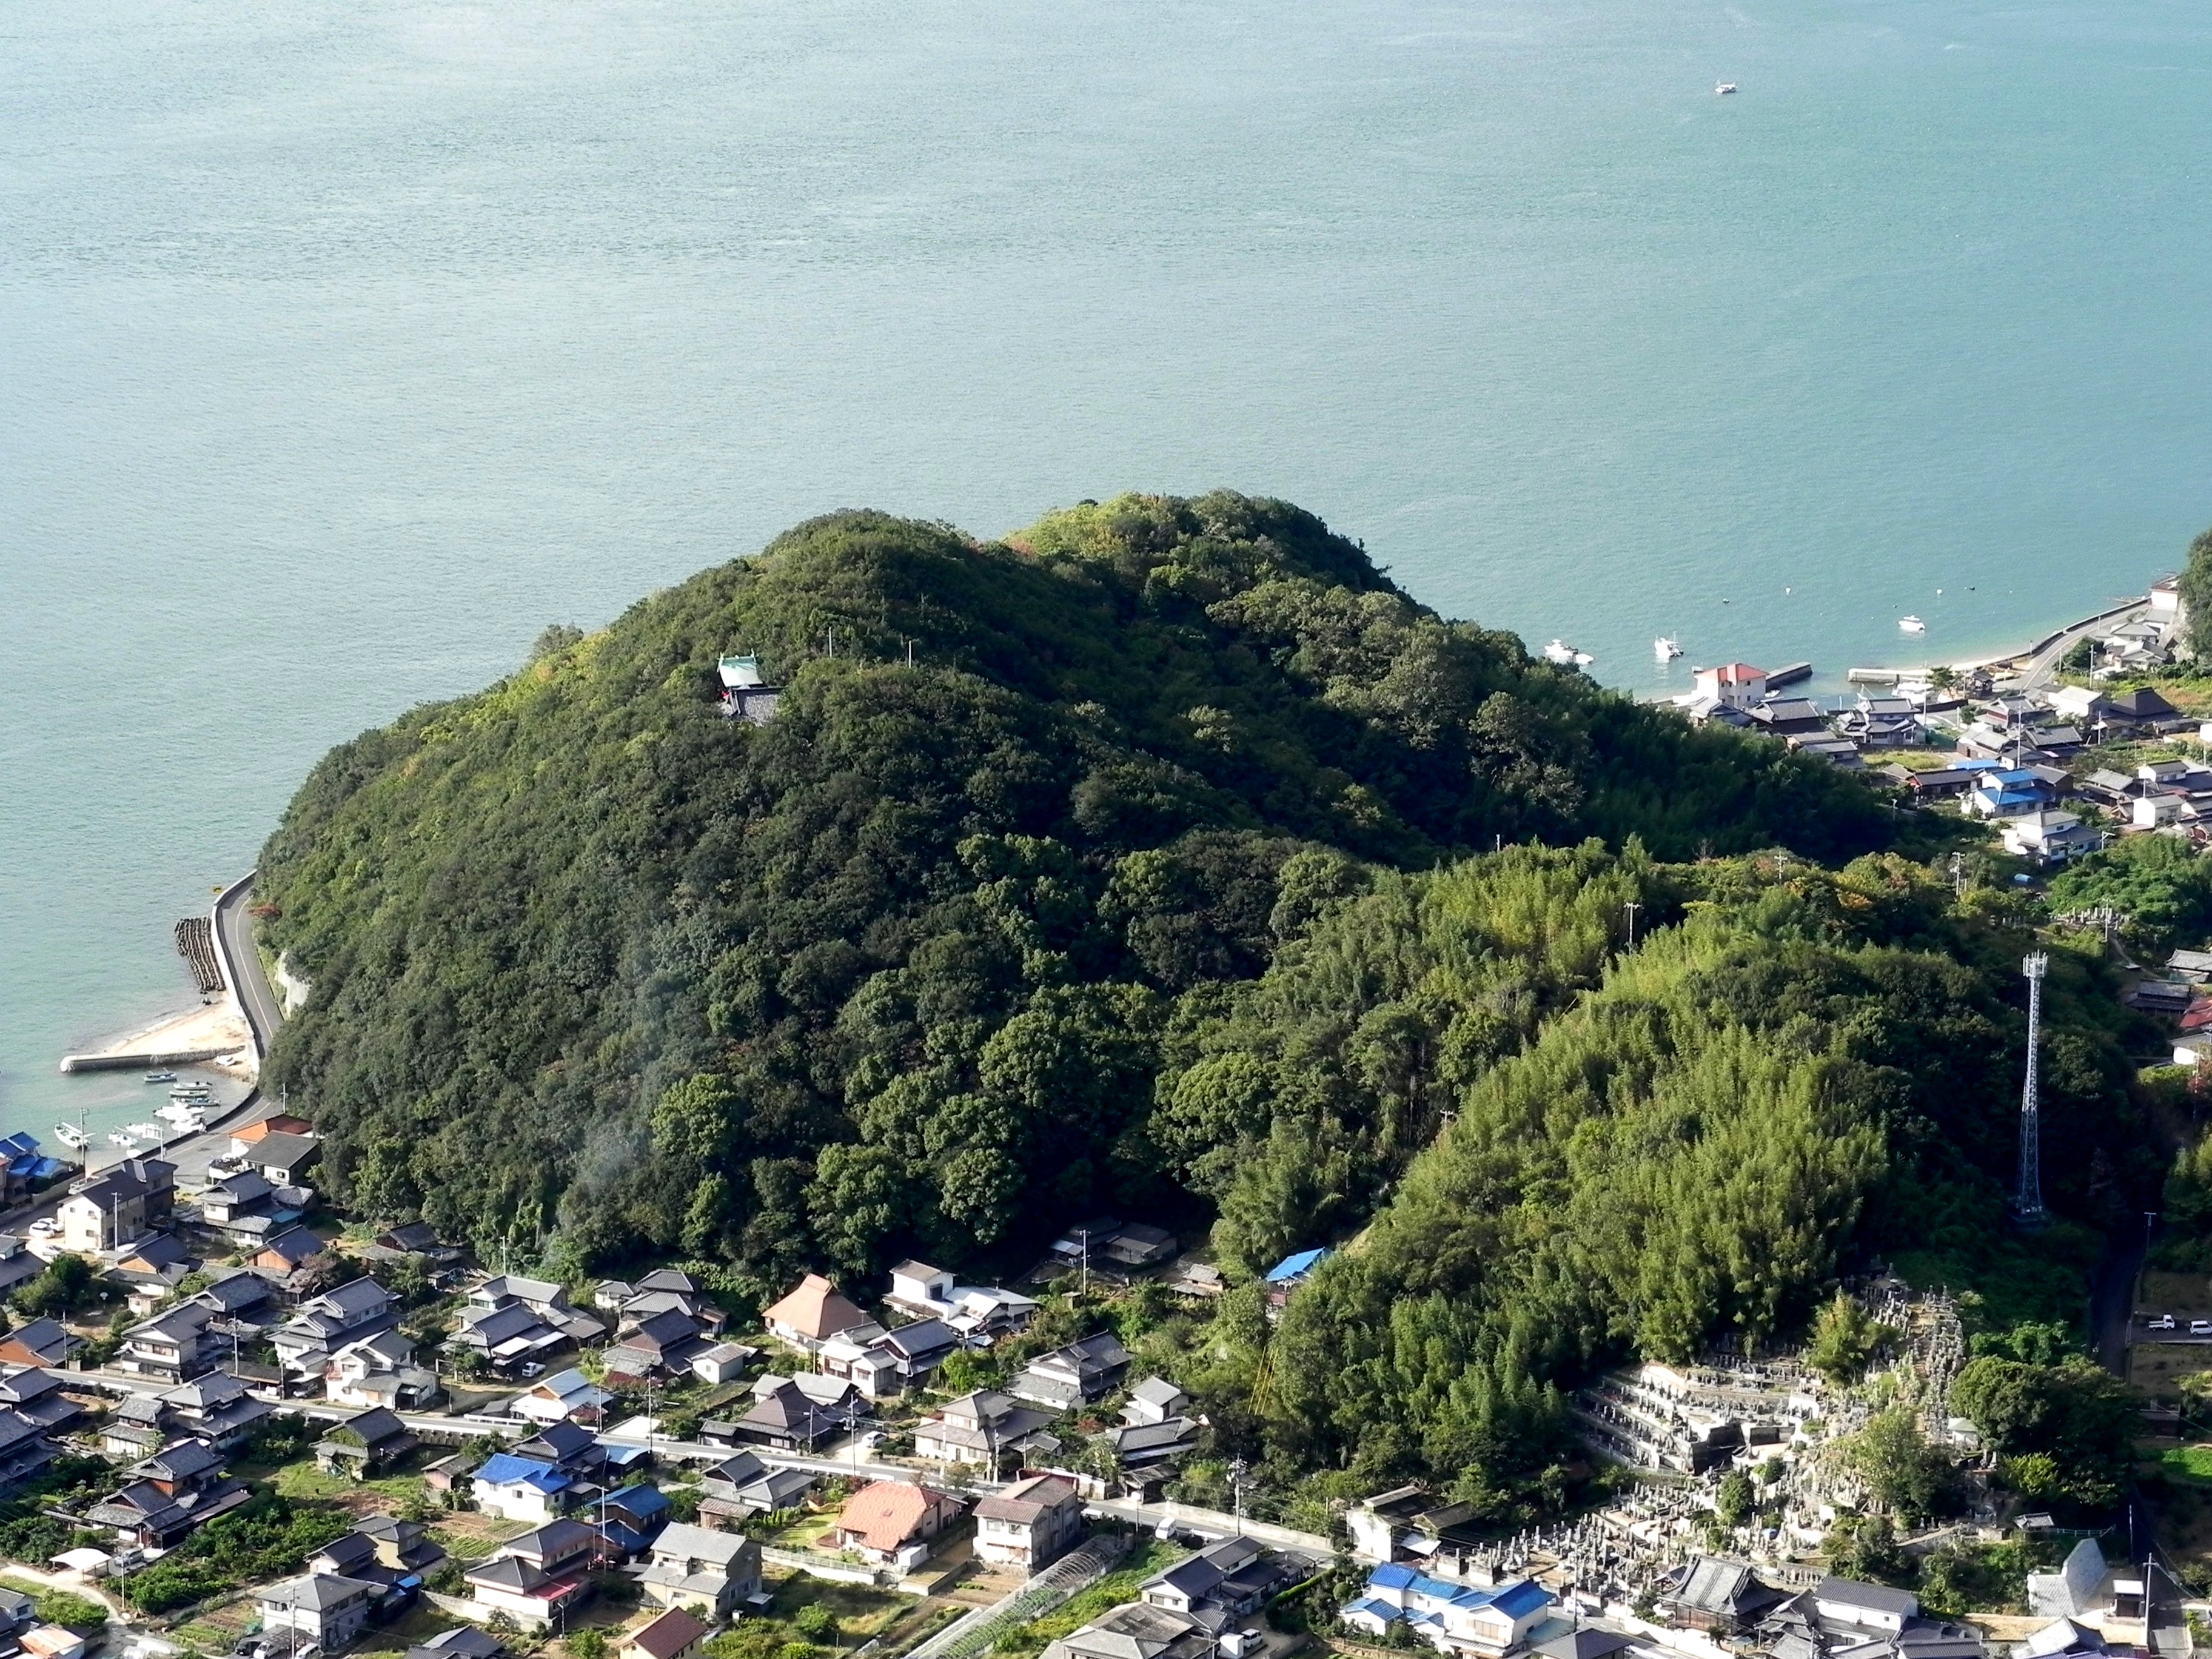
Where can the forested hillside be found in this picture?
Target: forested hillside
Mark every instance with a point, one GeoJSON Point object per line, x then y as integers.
{"type": "Point", "coordinates": [951, 951]}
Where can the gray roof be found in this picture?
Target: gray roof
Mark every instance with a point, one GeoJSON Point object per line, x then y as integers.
{"type": "Point", "coordinates": [317, 1591]}
{"type": "Point", "coordinates": [1875, 1598]}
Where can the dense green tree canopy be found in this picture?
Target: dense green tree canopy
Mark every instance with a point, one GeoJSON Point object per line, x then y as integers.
{"type": "Point", "coordinates": [904, 968]}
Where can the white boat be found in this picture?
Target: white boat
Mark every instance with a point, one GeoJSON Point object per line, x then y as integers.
{"type": "Point", "coordinates": [161, 1077]}
{"type": "Point", "coordinates": [1565, 655]}
{"type": "Point", "coordinates": [1665, 649]}
{"type": "Point", "coordinates": [1910, 625]}
{"type": "Point", "coordinates": [71, 1136]}
{"type": "Point", "coordinates": [1722, 89]}
{"type": "Point", "coordinates": [118, 1138]}
{"type": "Point", "coordinates": [189, 1118]}
{"type": "Point", "coordinates": [146, 1131]}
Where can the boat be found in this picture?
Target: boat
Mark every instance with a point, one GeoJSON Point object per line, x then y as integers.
{"type": "Point", "coordinates": [1720, 89]}
{"type": "Point", "coordinates": [118, 1138]}
{"type": "Point", "coordinates": [189, 1118]}
{"type": "Point", "coordinates": [1665, 649]}
{"type": "Point", "coordinates": [71, 1136]}
{"type": "Point", "coordinates": [161, 1077]}
{"type": "Point", "coordinates": [1911, 625]}
{"type": "Point", "coordinates": [146, 1131]}
{"type": "Point", "coordinates": [1565, 655]}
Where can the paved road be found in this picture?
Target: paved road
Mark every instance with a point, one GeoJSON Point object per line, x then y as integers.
{"type": "Point", "coordinates": [1183, 1517]}
{"type": "Point", "coordinates": [234, 927]}
{"type": "Point", "coordinates": [2044, 663]}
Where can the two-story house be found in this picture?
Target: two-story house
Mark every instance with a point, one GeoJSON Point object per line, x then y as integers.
{"type": "Point", "coordinates": [320, 1607]}
{"type": "Point", "coordinates": [1075, 1374]}
{"type": "Point", "coordinates": [711, 1573]}
{"type": "Point", "coordinates": [181, 1488]}
{"type": "Point", "coordinates": [979, 1428]}
{"type": "Point", "coordinates": [379, 1370]}
{"type": "Point", "coordinates": [172, 1345]}
{"type": "Point", "coordinates": [742, 1487]}
{"type": "Point", "coordinates": [118, 1206]}
{"type": "Point", "coordinates": [1029, 1525]}
{"type": "Point", "coordinates": [1475, 1621]}
{"type": "Point", "coordinates": [539, 1575]}
{"type": "Point", "coordinates": [320, 1326]}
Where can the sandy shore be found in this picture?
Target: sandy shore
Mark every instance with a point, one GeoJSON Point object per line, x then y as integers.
{"type": "Point", "coordinates": [217, 1028]}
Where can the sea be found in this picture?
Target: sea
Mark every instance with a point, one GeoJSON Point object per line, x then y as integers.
{"type": "Point", "coordinates": [344, 345]}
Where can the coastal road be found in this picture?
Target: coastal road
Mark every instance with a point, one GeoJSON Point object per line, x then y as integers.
{"type": "Point", "coordinates": [241, 963]}
{"type": "Point", "coordinates": [2044, 664]}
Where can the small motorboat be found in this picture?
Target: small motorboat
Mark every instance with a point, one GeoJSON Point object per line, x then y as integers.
{"type": "Point", "coordinates": [1722, 89]}
{"type": "Point", "coordinates": [145, 1130]}
{"type": "Point", "coordinates": [118, 1138]}
{"type": "Point", "coordinates": [1910, 625]}
{"type": "Point", "coordinates": [1565, 655]}
{"type": "Point", "coordinates": [71, 1136]}
{"type": "Point", "coordinates": [189, 1118]}
{"type": "Point", "coordinates": [1665, 649]}
{"type": "Point", "coordinates": [161, 1077]}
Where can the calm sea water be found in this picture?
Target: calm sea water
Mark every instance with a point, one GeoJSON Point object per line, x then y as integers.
{"type": "Point", "coordinates": [344, 345]}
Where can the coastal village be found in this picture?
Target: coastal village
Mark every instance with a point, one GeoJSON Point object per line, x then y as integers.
{"type": "Point", "coordinates": [236, 1420]}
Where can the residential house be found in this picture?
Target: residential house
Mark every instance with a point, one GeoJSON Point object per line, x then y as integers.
{"type": "Point", "coordinates": [564, 1397]}
{"type": "Point", "coordinates": [19, 1264]}
{"type": "Point", "coordinates": [325, 1610]}
{"type": "Point", "coordinates": [173, 1345]}
{"type": "Point", "coordinates": [658, 1345]}
{"type": "Point", "coordinates": [242, 1300]}
{"type": "Point", "coordinates": [1784, 717]}
{"type": "Point", "coordinates": [1452, 1618]}
{"type": "Point", "coordinates": [2193, 966]}
{"type": "Point", "coordinates": [1201, 1281]}
{"type": "Point", "coordinates": [710, 1573]}
{"type": "Point", "coordinates": [677, 1634]}
{"type": "Point", "coordinates": [413, 1238]}
{"type": "Point", "coordinates": [2007, 794]}
{"type": "Point", "coordinates": [2156, 812]}
{"type": "Point", "coordinates": [725, 1362]}
{"type": "Point", "coordinates": [462, 1642]}
{"type": "Point", "coordinates": [216, 1408]}
{"type": "Point", "coordinates": [513, 1337]}
{"type": "Point", "coordinates": [2051, 836]}
{"type": "Point", "coordinates": [248, 1207]}
{"type": "Point", "coordinates": [179, 1488]}
{"type": "Point", "coordinates": [742, 1487]}
{"type": "Point", "coordinates": [1136, 1631]}
{"type": "Point", "coordinates": [786, 1416]}
{"type": "Point", "coordinates": [23, 1167]}
{"type": "Point", "coordinates": [286, 1253]}
{"type": "Point", "coordinates": [1148, 1448]}
{"type": "Point", "coordinates": [520, 1488]}
{"type": "Point", "coordinates": [379, 1370]}
{"type": "Point", "coordinates": [18, 1614]}
{"type": "Point", "coordinates": [283, 1160]}
{"type": "Point", "coordinates": [2142, 705]}
{"type": "Point", "coordinates": [53, 1642]}
{"type": "Point", "coordinates": [243, 1141]}
{"type": "Point", "coordinates": [1231, 1577]}
{"type": "Point", "coordinates": [1075, 1374]}
{"type": "Point", "coordinates": [916, 1351]}
{"type": "Point", "coordinates": [1155, 1399]}
{"type": "Point", "coordinates": [981, 1428]}
{"type": "Point", "coordinates": [629, 1519]}
{"type": "Point", "coordinates": [1731, 685]}
{"type": "Point", "coordinates": [874, 1373]}
{"type": "Point", "coordinates": [1029, 1525]}
{"type": "Point", "coordinates": [118, 1206]}
{"type": "Point", "coordinates": [401, 1545]}
{"type": "Point", "coordinates": [25, 1452]}
{"type": "Point", "coordinates": [365, 1445]}
{"type": "Point", "coordinates": [152, 1269]}
{"type": "Point", "coordinates": [34, 1393]}
{"type": "Point", "coordinates": [811, 1313]}
{"type": "Point", "coordinates": [2079, 705]}
{"type": "Point", "coordinates": [37, 1342]}
{"type": "Point", "coordinates": [137, 1425]}
{"type": "Point", "coordinates": [538, 1575]}
{"type": "Point", "coordinates": [320, 1326]}
{"type": "Point", "coordinates": [892, 1522]}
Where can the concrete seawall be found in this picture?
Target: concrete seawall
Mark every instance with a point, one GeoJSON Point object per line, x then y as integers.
{"type": "Point", "coordinates": [125, 1060]}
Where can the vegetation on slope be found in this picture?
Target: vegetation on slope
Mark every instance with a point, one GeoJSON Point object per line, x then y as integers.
{"type": "Point", "coordinates": [904, 970]}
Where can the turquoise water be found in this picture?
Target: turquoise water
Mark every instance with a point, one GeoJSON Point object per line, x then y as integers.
{"type": "Point", "coordinates": [343, 346]}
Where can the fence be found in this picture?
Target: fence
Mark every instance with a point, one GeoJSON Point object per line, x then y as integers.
{"type": "Point", "coordinates": [1078, 1571]}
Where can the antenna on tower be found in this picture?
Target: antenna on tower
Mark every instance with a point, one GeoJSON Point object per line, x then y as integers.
{"type": "Point", "coordinates": [2027, 1203]}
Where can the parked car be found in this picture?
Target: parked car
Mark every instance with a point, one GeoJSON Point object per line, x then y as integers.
{"type": "Point", "coordinates": [2200, 1327]}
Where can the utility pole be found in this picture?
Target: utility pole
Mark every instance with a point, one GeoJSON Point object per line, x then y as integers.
{"type": "Point", "coordinates": [1236, 1492]}
{"type": "Point", "coordinates": [1084, 1234]}
{"type": "Point", "coordinates": [2027, 1203]}
{"type": "Point", "coordinates": [1631, 906]}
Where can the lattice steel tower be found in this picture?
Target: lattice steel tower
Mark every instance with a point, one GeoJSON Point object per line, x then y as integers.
{"type": "Point", "coordinates": [2027, 1204]}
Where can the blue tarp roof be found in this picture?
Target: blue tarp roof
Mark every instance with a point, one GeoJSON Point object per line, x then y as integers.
{"type": "Point", "coordinates": [1521, 1597]}
{"type": "Point", "coordinates": [1292, 1267]}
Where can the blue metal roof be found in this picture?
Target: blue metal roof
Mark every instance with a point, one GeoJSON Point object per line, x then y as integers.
{"type": "Point", "coordinates": [501, 1469]}
{"type": "Point", "coordinates": [1377, 1609]}
{"type": "Point", "coordinates": [1525, 1598]}
{"type": "Point", "coordinates": [1391, 1575]}
{"type": "Point", "coordinates": [1296, 1266]}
